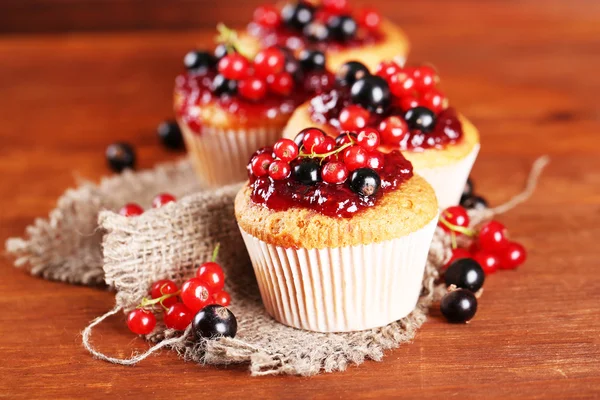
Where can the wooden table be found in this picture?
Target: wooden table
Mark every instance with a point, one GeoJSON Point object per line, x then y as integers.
{"type": "Point", "coordinates": [525, 72]}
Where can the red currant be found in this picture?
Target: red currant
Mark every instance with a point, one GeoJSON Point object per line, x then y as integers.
{"type": "Point", "coordinates": [489, 261]}
{"type": "Point", "coordinates": [140, 321]}
{"type": "Point", "coordinates": [327, 146]}
{"type": "Point", "coordinates": [435, 100]}
{"type": "Point", "coordinates": [318, 82]}
{"type": "Point", "coordinates": [355, 157]}
{"type": "Point", "coordinates": [285, 149]}
{"type": "Point", "coordinates": [375, 160]}
{"type": "Point", "coordinates": [279, 170]}
{"type": "Point", "coordinates": [369, 18]}
{"type": "Point", "coordinates": [401, 84]}
{"type": "Point", "coordinates": [336, 6]}
{"type": "Point", "coordinates": [368, 139]}
{"type": "Point", "coordinates": [425, 77]}
{"type": "Point", "coordinates": [386, 69]}
{"type": "Point", "coordinates": [178, 317]}
{"type": "Point", "coordinates": [455, 215]}
{"type": "Point", "coordinates": [281, 84]}
{"type": "Point", "coordinates": [334, 172]}
{"type": "Point", "coordinates": [222, 298]}
{"type": "Point", "coordinates": [252, 88]}
{"type": "Point", "coordinates": [353, 118]}
{"type": "Point", "coordinates": [267, 16]}
{"type": "Point", "coordinates": [195, 294]}
{"type": "Point", "coordinates": [512, 256]}
{"type": "Point", "coordinates": [492, 237]}
{"type": "Point", "coordinates": [457, 253]}
{"type": "Point", "coordinates": [162, 287]}
{"type": "Point", "coordinates": [131, 210]}
{"type": "Point", "coordinates": [345, 137]}
{"type": "Point", "coordinates": [393, 130]}
{"type": "Point", "coordinates": [312, 138]}
{"type": "Point", "coordinates": [269, 61]}
{"type": "Point", "coordinates": [212, 274]}
{"type": "Point", "coordinates": [234, 66]}
{"type": "Point", "coordinates": [162, 199]}
{"type": "Point", "coordinates": [409, 101]}
{"type": "Point", "coordinates": [260, 164]}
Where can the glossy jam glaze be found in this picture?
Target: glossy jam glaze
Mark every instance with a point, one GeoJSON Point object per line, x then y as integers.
{"type": "Point", "coordinates": [326, 107]}
{"type": "Point", "coordinates": [333, 200]}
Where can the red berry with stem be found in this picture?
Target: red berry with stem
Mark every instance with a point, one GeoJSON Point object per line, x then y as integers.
{"type": "Point", "coordinates": [269, 61]}
{"type": "Point", "coordinates": [195, 294]}
{"type": "Point", "coordinates": [393, 130]}
{"type": "Point", "coordinates": [260, 164]}
{"type": "Point", "coordinates": [162, 199]}
{"type": "Point", "coordinates": [267, 15]}
{"type": "Point", "coordinates": [401, 84]}
{"type": "Point", "coordinates": [279, 170]}
{"type": "Point", "coordinates": [345, 137]}
{"type": "Point", "coordinates": [222, 298]}
{"type": "Point", "coordinates": [369, 19]}
{"type": "Point", "coordinates": [435, 100]}
{"type": "Point", "coordinates": [178, 317]}
{"type": "Point", "coordinates": [375, 160]}
{"type": "Point", "coordinates": [512, 256]}
{"type": "Point", "coordinates": [386, 69]}
{"type": "Point", "coordinates": [131, 210]}
{"type": "Point", "coordinates": [353, 118]}
{"type": "Point", "coordinates": [334, 172]}
{"type": "Point", "coordinates": [234, 66]}
{"type": "Point", "coordinates": [489, 261]}
{"type": "Point", "coordinates": [140, 321]}
{"type": "Point", "coordinates": [252, 88]}
{"type": "Point", "coordinates": [355, 157]}
{"type": "Point", "coordinates": [455, 216]}
{"type": "Point", "coordinates": [163, 287]}
{"type": "Point", "coordinates": [281, 84]}
{"type": "Point", "coordinates": [425, 77]}
{"type": "Point", "coordinates": [492, 237]}
{"type": "Point", "coordinates": [457, 253]}
{"type": "Point", "coordinates": [327, 146]}
{"type": "Point", "coordinates": [212, 274]}
{"type": "Point", "coordinates": [285, 149]}
{"type": "Point", "coordinates": [368, 139]}
{"type": "Point", "coordinates": [312, 137]}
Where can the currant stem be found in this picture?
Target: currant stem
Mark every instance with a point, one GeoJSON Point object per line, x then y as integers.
{"type": "Point", "coordinates": [455, 228]}
{"type": "Point", "coordinates": [229, 38]}
{"type": "Point", "coordinates": [150, 302]}
{"type": "Point", "coordinates": [325, 155]}
{"type": "Point", "coordinates": [215, 252]}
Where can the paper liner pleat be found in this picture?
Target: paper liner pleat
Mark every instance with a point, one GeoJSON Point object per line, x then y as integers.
{"type": "Point", "coordinates": [341, 289]}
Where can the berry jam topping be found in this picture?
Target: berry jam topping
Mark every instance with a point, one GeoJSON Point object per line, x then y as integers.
{"type": "Point", "coordinates": [271, 84]}
{"type": "Point", "coordinates": [403, 103]}
{"type": "Point", "coordinates": [329, 25]}
{"type": "Point", "coordinates": [337, 178]}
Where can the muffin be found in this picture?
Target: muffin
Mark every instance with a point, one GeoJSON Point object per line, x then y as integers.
{"type": "Point", "coordinates": [412, 114]}
{"type": "Point", "coordinates": [227, 104]}
{"type": "Point", "coordinates": [338, 233]}
{"type": "Point", "coordinates": [330, 26]}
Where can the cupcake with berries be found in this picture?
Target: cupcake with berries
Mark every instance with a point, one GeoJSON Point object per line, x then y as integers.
{"type": "Point", "coordinates": [338, 241]}
{"type": "Point", "coordinates": [412, 115]}
{"type": "Point", "coordinates": [228, 104]}
{"type": "Point", "coordinates": [331, 26]}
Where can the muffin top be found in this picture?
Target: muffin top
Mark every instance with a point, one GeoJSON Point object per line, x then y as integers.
{"type": "Point", "coordinates": [317, 192]}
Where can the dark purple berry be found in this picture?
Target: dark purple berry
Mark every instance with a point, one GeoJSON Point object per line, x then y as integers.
{"type": "Point", "coordinates": [297, 16]}
{"type": "Point", "coordinates": [120, 156]}
{"type": "Point", "coordinates": [371, 92]}
{"type": "Point", "coordinates": [342, 27]}
{"type": "Point", "coordinates": [198, 62]}
{"type": "Point", "coordinates": [365, 182]}
{"type": "Point", "coordinates": [465, 273]}
{"type": "Point", "coordinates": [420, 118]}
{"type": "Point", "coordinates": [170, 135]}
{"type": "Point", "coordinates": [459, 306]}
{"type": "Point", "coordinates": [312, 60]}
{"type": "Point", "coordinates": [307, 172]}
{"type": "Point", "coordinates": [214, 321]}
{"type": "Point", "coordinates": [222, 85]}
{"type": "Point", "coordinates": [350, 72]}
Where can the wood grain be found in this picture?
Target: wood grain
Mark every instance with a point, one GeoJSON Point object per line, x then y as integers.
{"type": "Point", "coordinates": [525, 72]}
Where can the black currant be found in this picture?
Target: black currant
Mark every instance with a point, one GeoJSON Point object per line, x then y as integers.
{"type": "Point", "coordinates": [299, 139]}
{"type": "Point", "coordinates": [120, 156]}
{"type": "Point", "coordinates": [365, 181]}
{"type": "Point", "coordinates": [473, 202]}
{"type": "Point", "coordinates": [214, 321]}
{"type": "Point", "coordinates": [371, 92]}
{"type": "Point", "coordinates": [307, 172]}
{"type": "Point", "coordinates": [459, 306]}
{"type": "Point", "coordinates": [342, 27]}
{"type": "Point", "coordinates": [220, 52]}
{"type": "Point", "coordinates": [350, 72]}
{"type": "Point", "coordinates": [297, 16]}
{"type": "Point", "coordinates": [420, 118]}
{"type": "Point", "coordinates": [312, 60]}
{"type": "Point", "coordinates": [465, 273]}
{"type": "Point", "coordinates": [170, 135]}
{"type": "Point", "coordinates": [468, 190]}
{"type": "Point", "coordinates": [316, 32]}
{"type": "Point", "coordinates": [198, 61]}
{"type": "Point", "coordinates": [222, 85]}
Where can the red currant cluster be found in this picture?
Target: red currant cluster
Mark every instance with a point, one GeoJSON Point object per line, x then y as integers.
{"type": "Point", "coordinates": [489, 245]}
{"type": "Point", "coordinates": [319, 21]}
{"type": "Point", "coordinates": [134, 209]}
{"type": "Point", "coordinates": [179, 306]}
{"type": "Point", "coordinates": [313, 157]}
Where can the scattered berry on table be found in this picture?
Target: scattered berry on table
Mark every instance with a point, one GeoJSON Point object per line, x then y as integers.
{"type": "Point", "coordinates": [120, 156]}
{"type": "Point", "coordinates": [131, 210]}
{"type": "Point", "coordinates": [170, 135]}
{"type": "Point", "coordinates": [488, 261]}
{"type": "Point", "coordinates": [492, 236]}
{"type": "Point", "coordinates": [140, 321]}
{"type": "Point", "coordinates": [459, 306]}
{"type": "Point", "coordinates": [465, 273]}
{"type": "Point", "coordinates": [512, 256]}
{"type": "Point", "coordinates": [214, 321]}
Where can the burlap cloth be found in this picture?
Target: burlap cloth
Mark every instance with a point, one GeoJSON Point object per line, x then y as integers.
{"type": "Point", "coordinates": [85, 242]}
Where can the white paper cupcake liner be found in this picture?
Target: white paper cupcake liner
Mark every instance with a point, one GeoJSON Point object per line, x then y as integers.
{"type": "Point", "coordinates": [448, 181]}
{"type": "Point", "coordinates": [220, 156]}
{"type": "Point", "coordinates": [341, 289]}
